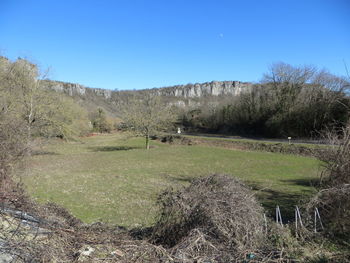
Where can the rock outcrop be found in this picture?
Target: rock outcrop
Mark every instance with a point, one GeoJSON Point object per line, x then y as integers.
{"type": "Point", "coordinates": [214, 88]}
{"type": "Point", "coordinates": [181, 96]}
{"type": "Point", "coordinates": [68, 88]}
{"type": "Point", "coordinates": [74, 89]}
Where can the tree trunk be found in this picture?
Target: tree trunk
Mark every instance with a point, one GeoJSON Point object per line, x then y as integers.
{"type": "Point", "coordinates": [30, 119]}
{"type": "Point", "coordinates": [147, 141]}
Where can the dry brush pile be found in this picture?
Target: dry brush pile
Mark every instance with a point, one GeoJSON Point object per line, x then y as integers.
{"type": "Point", "coordinates": [216, 218]}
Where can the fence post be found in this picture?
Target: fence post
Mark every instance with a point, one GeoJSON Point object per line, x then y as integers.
{"type": "Point", "coordinates": [279, 211]}
{"type": "Point", "coordinates": [278, 216]}
{"type": "Point", "coordinates": [296, 222]}
{"type": "Point", "coordinates": [299, 215]}
{"type": "Point", "coordinates": [315, 220]}
{"type": "Point", "coordinates": [317, 214]}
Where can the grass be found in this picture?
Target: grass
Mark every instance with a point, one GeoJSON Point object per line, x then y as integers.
{"type": "Point", "coordinates": [111, 178]}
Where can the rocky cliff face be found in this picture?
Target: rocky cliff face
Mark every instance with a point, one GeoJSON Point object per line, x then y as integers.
{"type": "Point", "coordinates": [68, 88]}
{"type": "Point", "coordinates": [214, 88]}
{"type": "Point", "coordinates": [74, 89]}
{"type": "Point", "coordinates": [182, 96]}
{"type": "Point", "coordinates": [179, 95]}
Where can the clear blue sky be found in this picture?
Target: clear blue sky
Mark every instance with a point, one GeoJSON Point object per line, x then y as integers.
{"type": "Point", "coordinates": [131, 44]}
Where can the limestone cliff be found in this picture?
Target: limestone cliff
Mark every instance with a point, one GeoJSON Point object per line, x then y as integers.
{"type": "Point", "coordinates": [74, 89]}
{"type": "Point", "coordinates": [214, 88]}
{"type": "Point", "coordinates": [198, 90]}
{"type": "Point", "coordinates": [182, 96]}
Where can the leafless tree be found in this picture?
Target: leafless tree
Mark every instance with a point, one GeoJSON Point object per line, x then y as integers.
{"type": "Point", "coordinates": [43, 111]}
{"type": "Point", "coordinates": [147, 116]}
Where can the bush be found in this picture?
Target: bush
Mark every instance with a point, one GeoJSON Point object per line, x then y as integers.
{"type": "Point", "coordinates": [333, 197]}
{"type": "Point", "coordinates": [176, 139]}
{"type": "Point", "coordinates": [216, 217]}
{"type": "Point", "coordinates": [13, 146]}
{"type": "Point", "coordinates": [100, 122]}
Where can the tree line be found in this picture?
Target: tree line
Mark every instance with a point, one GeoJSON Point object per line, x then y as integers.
{"type": "Point", "coordinates": [289, 101]}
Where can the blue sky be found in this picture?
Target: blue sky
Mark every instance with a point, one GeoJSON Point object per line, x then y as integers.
{"type": "Point", "coordinates": [138, 44]}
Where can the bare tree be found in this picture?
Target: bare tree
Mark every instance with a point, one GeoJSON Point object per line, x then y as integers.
{"type": "Point", "coordinates": [42, 111]}
{"type": "Point", "coordinates": [286, 73]}
{"type": "Point", "coordinates": [147, 116]}
{"type": "Point", "coordinates": [311, 98]}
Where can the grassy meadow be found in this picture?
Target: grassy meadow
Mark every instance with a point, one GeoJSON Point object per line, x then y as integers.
{"type": "Point", "coordinates": [112, 178]}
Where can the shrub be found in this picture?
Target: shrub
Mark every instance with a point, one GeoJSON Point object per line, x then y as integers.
{"type": "Point", "coordinates": [100, 122]}
{"type": "Point", "coordinates": [333, 197]}
{"type": "Point", "coordinates": [13, 146]}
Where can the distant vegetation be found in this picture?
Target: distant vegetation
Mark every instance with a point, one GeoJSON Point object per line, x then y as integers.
{"type": "Point", "coordinates": [100, 121]}
{"type": "Point", "coordinates": [290, 101]}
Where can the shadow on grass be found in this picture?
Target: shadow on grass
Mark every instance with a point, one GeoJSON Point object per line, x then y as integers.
{"type": "Point", "coordinates": [43, 153]}
{"type": "Point", "coordinates": [310, 182]}
{"type": "Point", "coordinates": [179, 179]}
{"type": "Point", "coordinates": [285, 200]}
{"type": "Point", "coordinates": [182, 179]}
{"type": "Point", "coordinates": [112, 148]}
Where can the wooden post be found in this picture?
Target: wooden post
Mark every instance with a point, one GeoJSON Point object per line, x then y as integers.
{"type": "Point", "coordinates": [147, 141]}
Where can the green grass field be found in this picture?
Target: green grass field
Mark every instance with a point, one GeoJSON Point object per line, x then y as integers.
{"type": "Point", "coordinates": [111, 178]}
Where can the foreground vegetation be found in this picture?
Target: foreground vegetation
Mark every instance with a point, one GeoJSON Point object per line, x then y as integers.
{"type": "Point", "coordinates": [113, 179]}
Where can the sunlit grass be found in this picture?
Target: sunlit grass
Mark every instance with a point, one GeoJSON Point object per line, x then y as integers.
{"type": "Point", "coordinates": [112, 178]}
